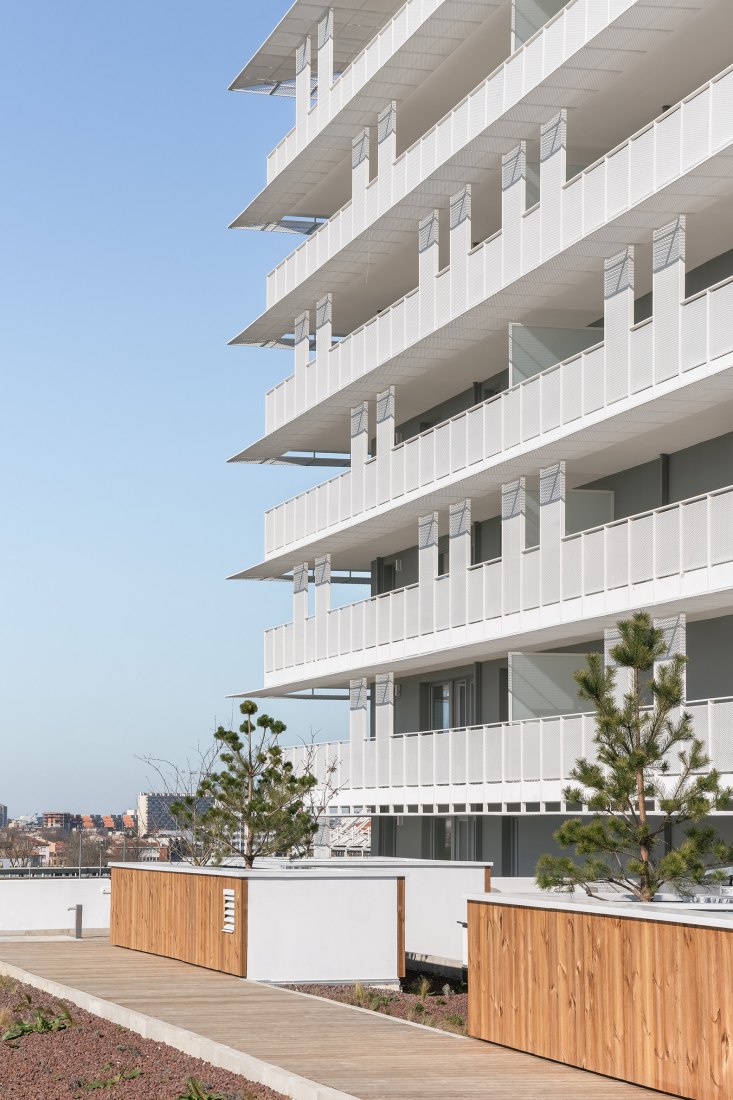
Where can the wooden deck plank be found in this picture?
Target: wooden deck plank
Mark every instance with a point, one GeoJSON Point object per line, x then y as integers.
{"type": "Point", "coordinates": [360, 1053]}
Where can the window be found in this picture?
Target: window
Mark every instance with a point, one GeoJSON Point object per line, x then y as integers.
{"type": "Point", "coordinates": [440, 706]}
{"type": "Point", "coordinates": [460, 704]}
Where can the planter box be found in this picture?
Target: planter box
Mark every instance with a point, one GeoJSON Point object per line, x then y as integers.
{"type": "Point", "coordinates": [270, 925]}
{"type": "Point", "coordinates": [643, 993]}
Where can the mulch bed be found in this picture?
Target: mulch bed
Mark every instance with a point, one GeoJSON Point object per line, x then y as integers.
{"type": "Point", "coordinates": [439, 1004]}
{"type": "Point", "coordinates": [93, 1057]}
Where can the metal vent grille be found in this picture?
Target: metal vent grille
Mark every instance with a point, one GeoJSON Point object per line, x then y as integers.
{"type": "Point", "coordinates": [228, 911]}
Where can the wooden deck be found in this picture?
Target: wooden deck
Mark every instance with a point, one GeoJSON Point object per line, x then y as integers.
{"type": "Point", "coordinates": [358, 1053]}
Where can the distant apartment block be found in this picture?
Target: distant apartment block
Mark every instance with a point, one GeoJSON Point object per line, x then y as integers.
{"type": "Point", "coordinates": [3, 816]}
{"type": "Point", "coordinates": [53, 819]}
{"type": "Point", "coordinates": [510, 315]}
{"type": "Point", "coordinates": [153, 812]}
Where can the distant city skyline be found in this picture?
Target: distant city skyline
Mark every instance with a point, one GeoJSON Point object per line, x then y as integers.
{"type": "Point", "coordinates": [121, 288]}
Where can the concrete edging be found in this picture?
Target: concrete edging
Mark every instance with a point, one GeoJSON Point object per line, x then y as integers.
{"type": "Point", "coordinates": [198, 1046]}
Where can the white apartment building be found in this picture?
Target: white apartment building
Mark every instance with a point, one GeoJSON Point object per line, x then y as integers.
{"type": "Point", "coordinates": [511, 318]}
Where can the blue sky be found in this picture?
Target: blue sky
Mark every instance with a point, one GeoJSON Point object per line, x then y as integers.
{"type": "Point", "coordinates": [124, 160]}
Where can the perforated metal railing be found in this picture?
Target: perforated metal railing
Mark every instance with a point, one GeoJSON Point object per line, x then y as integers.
{"type": "Point", "coordinates": [487, 760]}
{"type": "Point", "coordinates": [681, 549]}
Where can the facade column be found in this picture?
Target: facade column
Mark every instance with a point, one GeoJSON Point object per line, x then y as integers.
{"type": "Point", "coordinates": [300, 610]}
{"type": "Point", "coordinates": [322, 602]}
{"type": "Point", "coordinates": [618, 320]}
{"type": "Point", "coordinates": [302, 90]}
{"type": "Point", "coordinates": [359, 454]}
{"type": "Point", "coordinates": [302, 356]}
{"type": "Point", "coordinates": [359, 179]}
{"type": "Point", "coordinates": [358, 729]}
{"type": "Point", "coordinates": [325, 65]}
{"type": "Point", "coordinates": [383, 724]}
{"type": "Point", "coordinates": [428, 267]}
{"type": "Point", "coordinates": [553, 173]}
{"type": "Point", "coordinates": [668, 293]}
{"type": "Point", "coordinates": [460, 246]}
{"type": "Point", "coordinates": [386, 153]}
{"type": "Point", "coordinates": [427, 545]}
{"type": "Point", "coordinates": [552, 531]}
{"type": "Point", "coordinates": [324, 339]}
{"type": "Point", "coordinates": [385, 442]}
{"type": "Point", "coordinates": [460, 559]}
{"type": "Point", "coordinates": [513, 205]}
{"type": "Point", "coordinates": [513, 513]}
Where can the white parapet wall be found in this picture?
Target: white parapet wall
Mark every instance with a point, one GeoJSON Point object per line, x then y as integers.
{"type": "Point", "coordinates": [435, 901]}
{"type": "Point", "coordinates": [48, 904]}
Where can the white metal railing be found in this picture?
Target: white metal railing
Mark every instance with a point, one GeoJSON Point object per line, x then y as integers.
{"type": "Point", "coordinates": [347, 84]}
{"type": "Point", "coordinates": [561, 37]}
{"type": "Point", "coordinates": [676, 550]}
{"type": "Point", "coordinates": [484, 761]}
{"type": "Point", "coordinates": [649, 160]}
{"type": "Point", "coordinates": [563, 398]}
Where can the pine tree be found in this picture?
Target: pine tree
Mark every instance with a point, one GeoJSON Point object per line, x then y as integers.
{"type": "Point", "coordinates": [259, 805]}
{"type": "Point", "coordinates": [635, 743]}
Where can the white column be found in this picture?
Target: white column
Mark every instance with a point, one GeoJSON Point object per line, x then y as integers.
{"type": "Point", "coordinates": [359, 179]}
{"type": "Point", "coordinates": [553, 173]}
{"type": "Point", "coordinates": [302, 355]}
{"type": "Point", "coordinates": [383, 723]}
{"type": "Point", "coordinates": [386, 153]}
{"type": "Point", "coordinates": [300, 610]}
{"type": "Point", "coordinates": [359, 454]}
{"type": "Point", "coordinates": [459, 535]}
{"type": "Point", "coordinates": [322, 602]}
{"type": "Point", "coordinates": [428, 267]}
{"type": "Point", "coordinates": [460, 246]}
{"type": "Point", "coordinates": [668, 285]}
{"type": "Point", "coordinates": [427, 545]}
{"type": "Point", "coordinates": [513, 205]}
{"type": "Point", "coordinates": [552, 531]}
{"type": "Point", "coordinates": [513, 512]}
{"type": "Point", "coordinates": [324, 339]}
{"type": "Point", "coordinates": [385, 442]}
{"type": "Point", "coordinates": [325, 66]}
{"type": "Point", "coordinates": [302, 91]}
{"type": "Point", "coordinates": [618, 320]}
{"type": "Point", "coordinates": [358, 729]}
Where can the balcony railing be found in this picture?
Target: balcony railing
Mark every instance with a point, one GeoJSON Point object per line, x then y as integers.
{"type": "Point", "coordinates": [548, 50]}
{"type": "Point", "coordinates": [494, 763]}
{"type": "Point", "coordinates": [663, 151]}
{"type": "Point", "coordinates": [680, 550]}
{"type": "Point", "coordinates": [347, 84]}
{"type": "Point", "coordinates": [564, 399]}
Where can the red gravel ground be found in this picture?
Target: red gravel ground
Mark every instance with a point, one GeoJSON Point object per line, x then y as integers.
{"type": "Point", "coordinates": [434, 1006]}
{"type": "Point", "coordinates": [62, 1065]}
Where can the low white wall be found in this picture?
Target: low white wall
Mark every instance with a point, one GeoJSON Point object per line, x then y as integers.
{"type": "Point", "coordinates": [42, 904]}
{"type": "Point", "coordinates": [313, 927]}
{"type": "Point", "coordinates": [435, 899]}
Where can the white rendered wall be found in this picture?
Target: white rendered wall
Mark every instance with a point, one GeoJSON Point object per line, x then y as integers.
{"type": "Point", "coordinates": [41, 905]}
{"type": "Point", "coordinates": [321, 929]}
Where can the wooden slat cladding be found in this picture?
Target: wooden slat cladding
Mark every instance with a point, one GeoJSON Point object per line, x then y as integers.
{"type": "Point", "coordinates": [181, 916]}
{"type": "Point", "coordinates": [639, 1000]}
{"type": "Point", "coordinates": [400, 927]}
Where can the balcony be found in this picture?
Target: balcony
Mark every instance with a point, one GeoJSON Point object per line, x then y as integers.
{"type": "Point", "coordinates": [690, 142]}
{"type": "Point", "coordinates": [573, 400]}
{"type": "Point", "coordinates": [510, 762]}
{"type": "Point", "coordinates": [681, 552]}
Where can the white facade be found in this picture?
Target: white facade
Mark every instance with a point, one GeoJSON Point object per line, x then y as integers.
{"type": "Point", "coordinates": [512, 325]}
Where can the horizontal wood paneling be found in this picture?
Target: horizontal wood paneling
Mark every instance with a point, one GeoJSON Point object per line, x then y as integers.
{"type": "Point", "coordinates": [181, 916]}
{"type": "Point", "coordinates": [639, 1000]}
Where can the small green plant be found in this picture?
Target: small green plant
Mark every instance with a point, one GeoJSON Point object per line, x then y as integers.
{"type": "Point", "coordinates": [423, 987]}
{"type": "Point", "coordinates": [359, 993]}
{"type": "Point", "coordinates": [115, 1079]}
{"type": "Point", "coordinates": [196, 1091]}
{"type": "Point", "coordinates": [28, 1018]}
{"type": "Point", "coordinates": [456, 1020]}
